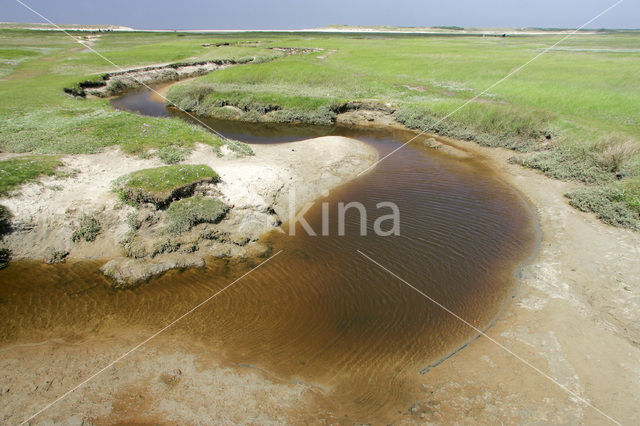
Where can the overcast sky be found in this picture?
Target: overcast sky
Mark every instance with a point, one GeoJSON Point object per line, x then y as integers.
{"type": "Point", "coordinates": [290, 14]}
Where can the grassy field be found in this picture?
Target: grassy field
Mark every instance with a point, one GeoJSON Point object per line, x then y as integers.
{"type": "Point", "coordinates": [574, 113]}
{"type": "Point", "coordinates": [37, 117]}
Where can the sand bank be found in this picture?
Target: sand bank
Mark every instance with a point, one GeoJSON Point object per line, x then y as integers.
{"type": "Point", "coordinates": [257, 188]}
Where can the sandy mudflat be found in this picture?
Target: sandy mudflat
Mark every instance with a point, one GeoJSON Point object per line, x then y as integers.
{"type": "Point", "coordinates": [256, 187]}
{"type": "Point", "coordinates": [575, 317]}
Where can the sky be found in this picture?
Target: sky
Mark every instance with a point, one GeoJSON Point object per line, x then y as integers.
{"type": "Point", "coordinates": [304, 14]}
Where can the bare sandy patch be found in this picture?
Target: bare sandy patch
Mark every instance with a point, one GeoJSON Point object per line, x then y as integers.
{"type": "Point", "coordinates": [168, 382]}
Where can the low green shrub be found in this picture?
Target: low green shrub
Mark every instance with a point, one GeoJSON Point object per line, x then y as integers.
{"type": "Point", "coordinates": [610, 204]}
{"type": "Point", "coordinates": [87, 230]}
{"type": "Point", "coordinates": [567, 165]}
{"type": "Point", "coordinates": [241, 148]}
{"type": "Point", "coordinates": [135, 249]}
{"type": "Point", "coordinates": [324, 115]}
{"type": "Point", "coordinates": [184, 214]}
{"type": "Point", "coordinates": [165, 246]}
{"type": "Point", "coordinates": [117, 86]}
{"type": "Point", "coordinates": [191, 97]}
{"type": "Point", "coordinates": [613, 154]}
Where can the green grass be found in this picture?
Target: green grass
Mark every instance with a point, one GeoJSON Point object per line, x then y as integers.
{"type": "Point", "coordinates": [561, 110]}
{"type": "Point", "coordinates": [37, 117]}
{"type": "Point", "coordinates": [172, 154]}
{"type": "Point", "coordinates": [182, 215]}
{"type": "Point", "coordinates": [17, 171]}
{"type": "Point", "coordinates": [161, 184]}
{"type": "Point", "coordinates": [33, 100]}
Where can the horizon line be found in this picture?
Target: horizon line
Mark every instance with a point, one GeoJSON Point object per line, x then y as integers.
{"type": "Point", "coordinates": [333, 28]}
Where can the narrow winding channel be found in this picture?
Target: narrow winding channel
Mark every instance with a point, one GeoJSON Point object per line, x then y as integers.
{"type": "Point", "coordinates": [321, 313]}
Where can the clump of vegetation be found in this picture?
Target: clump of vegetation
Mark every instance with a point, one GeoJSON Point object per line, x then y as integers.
{"type": "Point", "coordinates": [5, 257]}
{"type": "Point", "coordinates": [613, 154]}
{"type": "Point", "coordinates": [489, 125]}
{"type": "Point", "coordinates": [53, 255]}
{"type": "Point", "coordinates": [191, 97]}
{"type": "Point", "coordinates": [133, 221]}
{"type": "Point", "coordinates": [240, 148]}
{"type": "Point", "coordinates": [127, 239]}
{"type": "Point", "coordinates": [598, 163]}
{"type": "Point", "coordinates": [5, 220]}
{"type": "Point", "coordinates": [165, 246]}
{"type": "Point", "coordinates": [564, 164]}
{"type": "Point", "coordinates": [117, 85]}
{"type": "Point", "coordinates": [325, 115]}
{"type": "Point", "coordinates": [87, 230]}
{"type": "Point", "coordinates": [134, 249]}
{"type": "Point", "coordinates": [184, 214]}
{"type": "Point", "coordinates": [78, 88]}
{"type": "Point", "coordinates": [161, 185]}
{"type": "Point", "coordinates": [172, 154]}
{"type": "Point", "coordinates": [610, 204]}
{"type": "Point", "coordinates": [17, 171]}
{"type": "Point", "coordinates": [204, 99]}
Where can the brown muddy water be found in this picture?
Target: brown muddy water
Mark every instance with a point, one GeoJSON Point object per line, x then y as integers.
{"type": "Point", "coordinates": [319, 313]}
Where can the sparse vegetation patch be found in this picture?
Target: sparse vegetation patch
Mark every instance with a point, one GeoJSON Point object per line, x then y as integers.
{"type": "Point", "coordinates": [17, 171]}
{"type": "Point", "coordinates": [612, 205]}
{"type": "Point", "coordinates": [5, 220]}
{"type": "Point", "coordinates": [184, 214]}
{"type": "Point", "coordinates": [87, 230]}
{"type": "Point", "coordinates": [172, 154]}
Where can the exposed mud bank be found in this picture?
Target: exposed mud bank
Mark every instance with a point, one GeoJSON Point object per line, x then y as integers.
{"type": "Point", "coordinates": [118, 82]}
{"type": "Point", "coordinates": [257, 189]}
{"type": "Point", "coordinates": [357, 114]}
{"type": "Point", "coordinates": [574, 316]}
{"type": "Point", "coordinates": [115, 83]}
